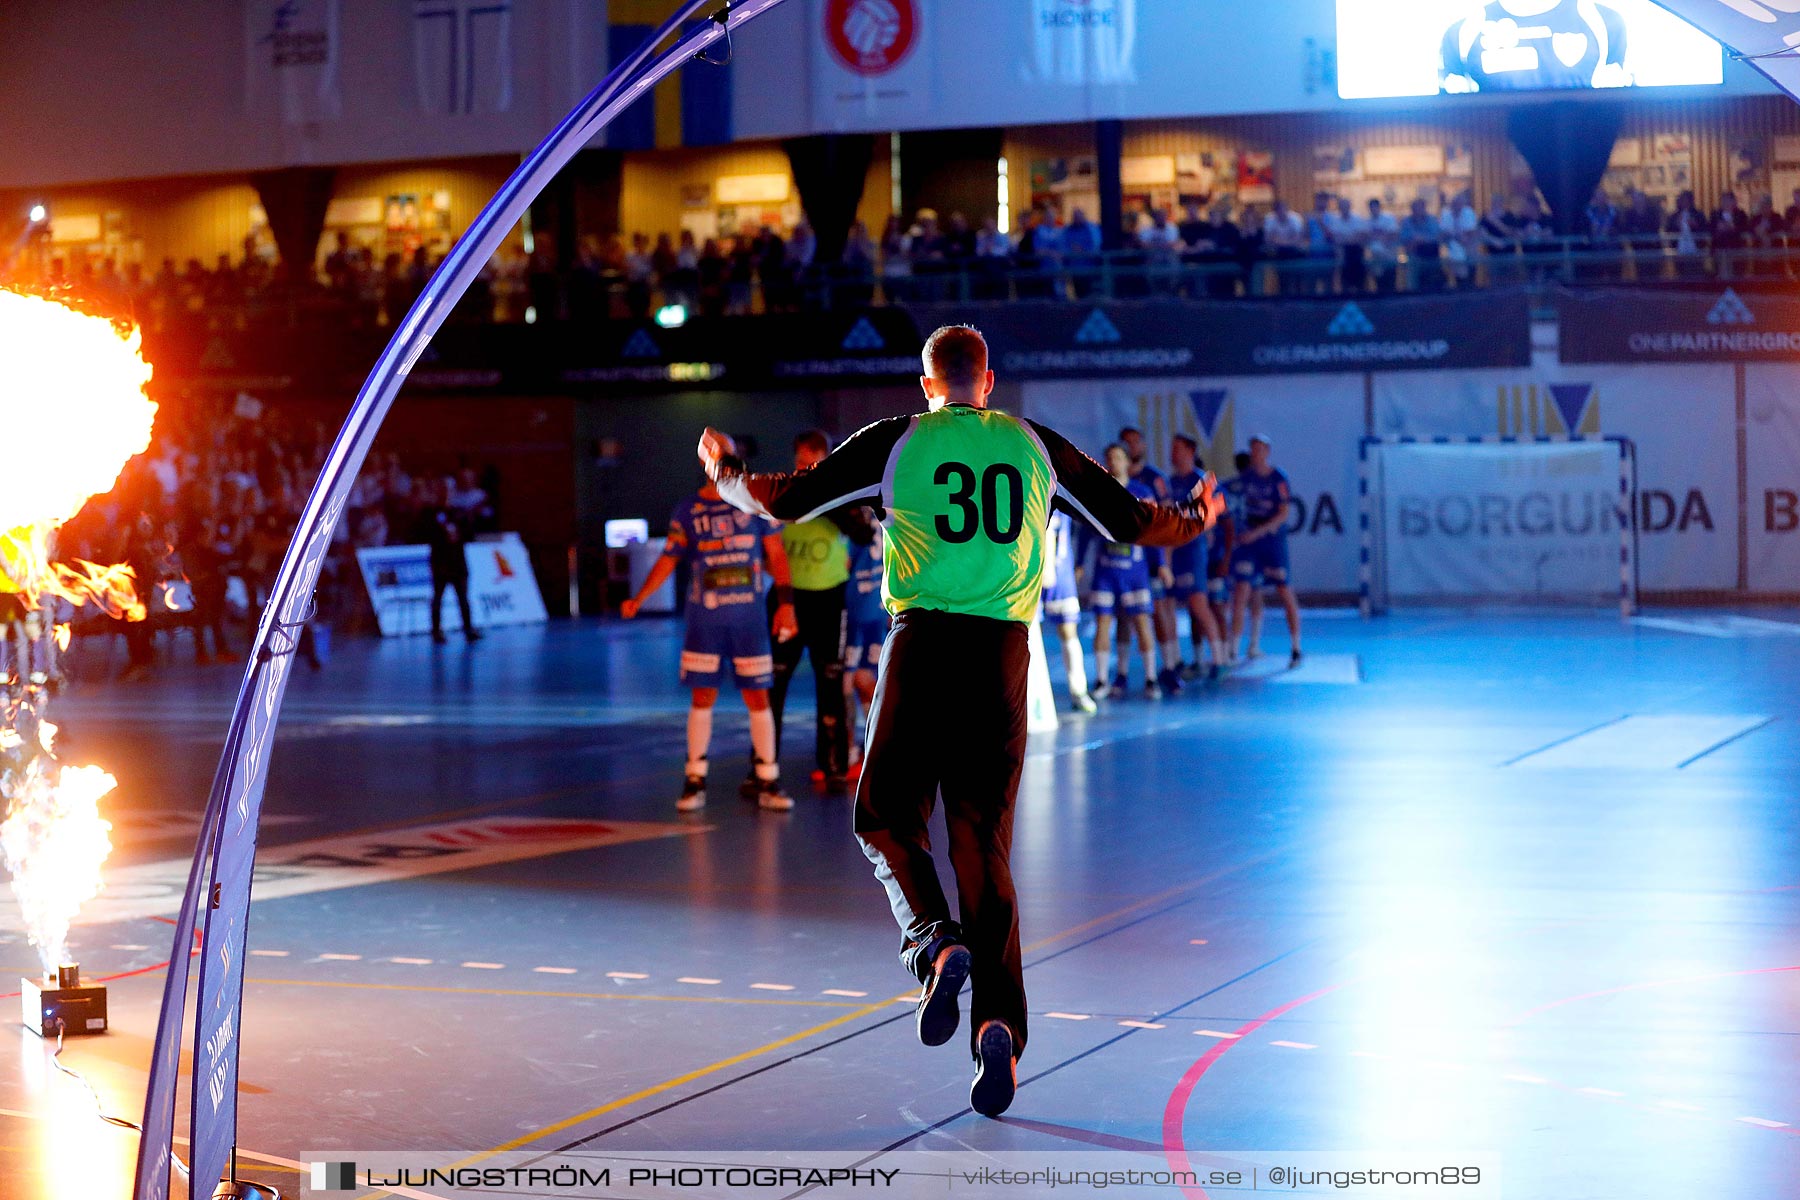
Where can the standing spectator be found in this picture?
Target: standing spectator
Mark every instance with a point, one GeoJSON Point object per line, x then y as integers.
{"type": "Point", "coordinates": [1081, 246]}
{"type": "Point", "coordinates": [1161, 242]}
{"type": "Point", "coordinates": [639, 274]}
{"type": "Point", "coordinates": [1640, 225]}
{"type": "Point", "coordinates": [1047, 243]}
{"type": "Point", "coordinates": [993, 256]}
{"type": "Point", "coordinates": [1765, 235]}
{"type": "Point", "coordinates": [445, 530]}
{"type": "Point", "coordinates": [856, 268]}
{"type": "Point", "coordinates": [1601, 238]}
{"type": "Point", "coordinates": [802, 248]}
{"type": "Point", "coordinates": [713, 270]}
{"type": "Point", "coordinates": [1499, 240]}
{"type": "Point", "coordinates": [1422, 235]}
{"type": "Point", "coordinates": [1383, 251]}
{"type": "Point", "coordinates": [1461, 227]}
{"type": "Point", "coordinates": [1284, 240]}
{"type": "Point", "coordinates": [770, 253]}
{"type": "Point", "coordinates": [959, 239]}
{"type": "Point", "coordinates": [1687, 223]}
{"type": "Point", "coordinates": [209, 550]}
{"type": "Point", "coordinates": [473, 503]}
{"type": "Point", "coordinates": [896, 262]}
{"type": "Point", "coordinates": [1320, 254]}
{"type": "Point", "coordinates": [1730, 228]}
{"type": "Point", "coordinates": [740, 277]}
{"type": "Point", "coordinates": [1349, 234]}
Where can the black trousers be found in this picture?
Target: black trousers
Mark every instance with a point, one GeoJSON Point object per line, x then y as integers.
{"type": "Point", "coordinates": [821, 618]}
{"type": "Point", "coordinates": [458, 584]}
{"type": "Point", "coordinates": [949, 719]}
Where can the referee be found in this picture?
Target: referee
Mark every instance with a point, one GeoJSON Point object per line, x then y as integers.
{"type": "Point", "coordinates": [967, 494]}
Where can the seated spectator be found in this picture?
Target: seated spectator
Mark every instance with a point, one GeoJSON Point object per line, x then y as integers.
{"type": "Point", "coordinates": [712, 271]}
{"type": "Point", "coordinates": [640, 274]}
{"type": "Point", "coordinates": [896, 262]}
{"type": "Point", "coordinates": [1765, 235]}
{"type": "Point", "coordinates": [1161, 242]}
{"type": "Point", "coordinates": [1640, 226]}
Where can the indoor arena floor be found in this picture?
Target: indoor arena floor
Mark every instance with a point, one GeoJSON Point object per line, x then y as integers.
{"type": "Point", "coordinates": [1511, 885]}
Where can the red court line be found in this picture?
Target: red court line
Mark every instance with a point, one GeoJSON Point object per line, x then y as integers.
{"type": "Point", "coordinates": [128, 974]}
{"type": "Point", "coordinates": [1174, 1148]}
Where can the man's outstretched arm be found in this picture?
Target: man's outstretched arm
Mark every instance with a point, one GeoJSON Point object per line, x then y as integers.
{"type": "Point", "coordinates": [1085, 488]}
{"type": "Point", "coordinates": [851, 474]}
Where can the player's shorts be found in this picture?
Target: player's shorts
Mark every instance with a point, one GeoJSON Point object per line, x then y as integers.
{"type": "Point", "coordinates": [1060, 610]}
{"type": "Point", "coordinates": [736, 644]}
{"type": "Point", "coordinates": [862, 643]}
{"type": "Point", "coordinates": [1264, 560]}
{"type": "Point", "coordinates": [1125, 591]}
{"type": "Point", "coordinates": [1187, 564]}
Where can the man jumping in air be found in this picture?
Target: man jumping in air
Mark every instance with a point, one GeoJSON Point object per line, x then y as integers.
{"type": "Point", "coordinates": [967, 494]}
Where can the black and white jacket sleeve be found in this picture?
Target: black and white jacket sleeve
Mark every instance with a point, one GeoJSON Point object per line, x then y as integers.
{"type": "Point", "coordinates": [1087, 491]}
{"type": "Point", "coordinates": [851, 474]}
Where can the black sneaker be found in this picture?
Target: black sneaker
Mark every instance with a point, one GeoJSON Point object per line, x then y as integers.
{"type": "Point", "coordinates": [751, 786]}
{"type": "Point", "coordinates": [996, 1071]}
{"type": "Point", "coordinates": [693, 794]}
{"type": "Point", "coordinates": [1294, 658]}
{"type": "Point", "coordinates": [938, 1011]}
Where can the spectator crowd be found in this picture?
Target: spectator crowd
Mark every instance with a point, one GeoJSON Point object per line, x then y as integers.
{"type": "Point", "coordinates": [204, 518]}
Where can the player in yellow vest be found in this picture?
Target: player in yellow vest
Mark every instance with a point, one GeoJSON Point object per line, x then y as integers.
{"type": "Point", "coordinates": [967, 494]}
{"type": "Point", "coordinates": [818, 558]}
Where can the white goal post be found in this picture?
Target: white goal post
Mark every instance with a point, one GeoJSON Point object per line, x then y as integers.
{"type": "Point", "coordinates": [1474, 520]}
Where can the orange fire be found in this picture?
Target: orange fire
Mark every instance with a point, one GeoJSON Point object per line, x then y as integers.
{"type": "Point", "coordinates": [73, 408]}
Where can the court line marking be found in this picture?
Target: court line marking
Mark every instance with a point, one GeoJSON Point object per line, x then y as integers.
{"type": "Point", "coordinates": [908, 999]}
{"type": "Point", "coordinates": [668, 1084]}
{"type": "Point", "coordinates": [1742, 733]}
{"type": "Point", "coordinates": [554, 970]}
{"type": "Point", "coordinates": [1562, 740]}
{"type": "Point", "coordinates": [460, 991]}
{"type": "Point", "coordinates": [1294, 1045]}
{"type": "Point", "coordinates": [842, 992]}
{"type": "Point", "coordinates": [709, 982]}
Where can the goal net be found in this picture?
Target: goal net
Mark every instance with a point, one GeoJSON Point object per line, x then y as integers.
{"type": "Point", "coordinates": [1498, 520]}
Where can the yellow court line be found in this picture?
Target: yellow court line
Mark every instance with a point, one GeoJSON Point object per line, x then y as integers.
{"type": "Point", "coordinates": [865, 1010]}
{"type": "Point", "coordinates": [456, 991]}
{"type": "Point", "coordinates": [679, 1080]}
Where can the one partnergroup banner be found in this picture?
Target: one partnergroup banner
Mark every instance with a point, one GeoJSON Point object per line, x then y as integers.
{"type": "Point", "coordinates": [1485, 328]}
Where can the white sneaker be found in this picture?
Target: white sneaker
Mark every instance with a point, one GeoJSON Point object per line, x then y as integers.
{"type": "Point", "coordinates": [693, 794]}
{"type": "Point", "coordinates": [771, 798]}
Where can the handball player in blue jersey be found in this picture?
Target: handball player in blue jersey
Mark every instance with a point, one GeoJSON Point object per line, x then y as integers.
{"type": "Point", "coordinates": [1188, 565]}
{"type": "Point", "coordinates": [1261, 554]}
{"type": "Point", "coordinates": [734, 558]}
{"type": "Point", "coordinates": [1122, 589]}
{"type": "Point", "coordinates": [1162, 600]}
{"type": "Point", "coordinates": [1060, 607]}
{"type": "Point", "coordinates": [865, 630]}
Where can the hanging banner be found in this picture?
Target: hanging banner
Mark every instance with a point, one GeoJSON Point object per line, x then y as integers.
{"type": "Point", "coordinates": [291, 53]}
{"type": "Point", "coordinates": [1248, 337]}
{"type": "Point", "coordinates": [1772, 478]}
{"type": "Point", "coordinates": [462, 55]}
{"type": "Point", "coordinates": [1682, 421]}
{"type": "Point", "coordinates": [1314, 423]}
{"type": "Point", "coordinates": [872, 64]}
{"type": "Point", "coordinates": [1726, 324]}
